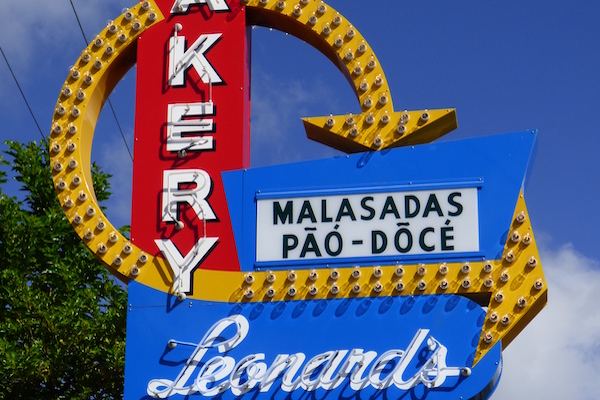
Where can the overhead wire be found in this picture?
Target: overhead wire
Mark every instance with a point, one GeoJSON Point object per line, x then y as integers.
{"type": "Point", "coordinates": [108, 100]}
{"type": "Point", "coordinates": [23, 95]}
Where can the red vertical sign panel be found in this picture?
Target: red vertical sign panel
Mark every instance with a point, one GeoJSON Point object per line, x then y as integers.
{"type": "Point", "coordinates": [192, 86]}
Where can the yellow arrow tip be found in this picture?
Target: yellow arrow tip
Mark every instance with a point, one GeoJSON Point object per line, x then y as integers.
{"type": "Point", "coordinates": [380, 130]}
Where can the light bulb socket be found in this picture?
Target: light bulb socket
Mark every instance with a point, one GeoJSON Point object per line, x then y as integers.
{"type": "Point", "coordinates": [488, 267]}
{"type": "Point", "coordinates": [443, 269]}
{"type": "Point", "coordinates": [499, 297]}
{"type": "Point", "coordinates": [466, 268]}
{"type": "Point", "coordinates": [292, 276]}
{"type": "Point", "coordinates": [292, 291]}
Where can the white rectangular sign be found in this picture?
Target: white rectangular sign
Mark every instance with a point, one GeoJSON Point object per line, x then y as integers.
{"type": "Point", "coordinates": [366, 225]}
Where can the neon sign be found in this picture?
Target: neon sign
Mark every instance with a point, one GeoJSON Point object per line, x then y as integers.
{"type": "Point", "coordinates": [361, 368]}
{"type": "Point", "coordinates": [367, 347]}
{"type": "Point", "coordinates": [207, 228]}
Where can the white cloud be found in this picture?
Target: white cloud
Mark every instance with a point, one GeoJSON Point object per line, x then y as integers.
{"type": "Point", "coordinates": [558, 355]}
{"type": "Point", "coordinates": [41, 39]}
{"type": "Point", "coordinates": [29, 25]}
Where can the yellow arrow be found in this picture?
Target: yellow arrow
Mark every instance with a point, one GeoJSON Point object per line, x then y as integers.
{"type": "Point", "coordinates": [513, 287]}
{"type": "Point", "coordinates": [377, 126]}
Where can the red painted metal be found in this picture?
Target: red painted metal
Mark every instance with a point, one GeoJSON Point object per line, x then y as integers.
{"type": "Point", "coordinates": [230, 58]}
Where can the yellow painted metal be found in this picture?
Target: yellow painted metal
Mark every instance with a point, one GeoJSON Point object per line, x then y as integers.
{"type": "Point", "coordinates": [101, 65]}
{"type": "Point", "coordinates": [105, 61]}
{"type": "Point", "coordinates": [512, 288]}
{"type": "Point", "coordinates": [522, 295]}
{"type": "Point", "coordinates": [377, 126]}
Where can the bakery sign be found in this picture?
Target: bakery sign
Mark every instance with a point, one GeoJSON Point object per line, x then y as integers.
{"type": "Point", "coordinates": [300, 277]}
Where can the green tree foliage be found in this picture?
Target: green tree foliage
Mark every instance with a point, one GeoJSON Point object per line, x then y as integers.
{"type": "Point", "coordinates": [62, 317]}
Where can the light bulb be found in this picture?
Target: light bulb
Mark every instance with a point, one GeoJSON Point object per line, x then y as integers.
{"type": "Point", "coordinates": [466, 268]}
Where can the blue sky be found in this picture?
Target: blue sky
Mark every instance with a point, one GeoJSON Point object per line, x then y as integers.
{"type": "Point", "coordinates": [505, 67]}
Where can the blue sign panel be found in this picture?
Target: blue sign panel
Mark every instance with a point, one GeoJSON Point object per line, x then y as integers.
{"type": "Point", "coordinates": [443, 201]}
{"type": "Point", "coordinates": [408, 347]}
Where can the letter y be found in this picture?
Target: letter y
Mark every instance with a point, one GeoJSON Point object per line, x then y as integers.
{"type": "Point", "coordinates": [182, 267]}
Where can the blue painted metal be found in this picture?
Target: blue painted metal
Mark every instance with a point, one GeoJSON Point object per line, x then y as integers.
{"type": "Point", "coordinates": [498, 162]}
{"type": "Point", "coordinates": [310, 327]}
{"type": "Point", "coordinates": [373, 189]}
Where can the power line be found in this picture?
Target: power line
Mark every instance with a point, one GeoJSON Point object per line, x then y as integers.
{"type": "Point", "coordinates": [109, 102]}
{"type": "Point", "coordinates": [23, 95]}
{"type": "Point", "coordinates": [79, 22]}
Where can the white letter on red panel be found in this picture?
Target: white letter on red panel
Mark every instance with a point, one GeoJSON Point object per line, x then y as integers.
{"type": "Point", "coordinates": [180, 123]}
{"type": "Point", "coordinates": [180, 59]}
{"type": "Point", "coordinates": [182, 267]}
{"type": "Point", "coordinates": [195, 196]}
{"type": "Point", "coordinates": [182, 6]}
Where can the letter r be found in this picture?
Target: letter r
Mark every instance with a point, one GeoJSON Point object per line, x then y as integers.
{"type": "Point", "coordinates": [196, 197]}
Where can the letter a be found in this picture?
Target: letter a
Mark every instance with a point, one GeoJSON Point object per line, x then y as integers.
{"type": "Point", "coordinates": [182, 6]}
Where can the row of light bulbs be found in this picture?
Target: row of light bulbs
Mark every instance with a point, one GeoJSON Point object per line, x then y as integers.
{"type": "Point", "coordinates": [348, 55]}
{"type": "Point", "coordinates": [103, 49]}
{"type": "Point", "coordinates": [326, 29]}
{"type": "Point", "coordinates": [494, 319]}
{"type": "Point", "coordinates": [377, 272]}
{"type": "Point", "coordinates": [401, 129]}
{"type": "Point", "coordinates": [98, 54]}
